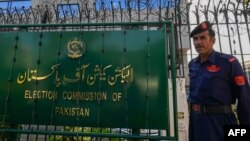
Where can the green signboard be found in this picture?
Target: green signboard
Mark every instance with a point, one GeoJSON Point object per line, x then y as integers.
{"type": "Point", "coordinates": [84, 78]}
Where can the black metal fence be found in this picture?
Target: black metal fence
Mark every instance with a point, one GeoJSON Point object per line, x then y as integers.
{"type": "Point", "coordinates": [229, 17]}
{"type": "Point", "coordinates": [231, 23]}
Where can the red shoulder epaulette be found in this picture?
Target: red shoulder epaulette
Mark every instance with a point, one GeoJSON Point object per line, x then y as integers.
{"type": "Point", "coordinates": [240, 80]}
{"type": "Point", "coordinates": [232, 59]}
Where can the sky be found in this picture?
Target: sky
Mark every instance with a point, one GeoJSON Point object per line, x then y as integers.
{"type": "Point", "coordinates": [107, 4]}
{"type": "Point", "coordinates": [17, 4]}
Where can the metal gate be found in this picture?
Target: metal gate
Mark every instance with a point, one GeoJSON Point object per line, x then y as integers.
{"type": "Point", "coordinates": [229, 17]}
{"type": "Point", "coordinates": [77, 83]}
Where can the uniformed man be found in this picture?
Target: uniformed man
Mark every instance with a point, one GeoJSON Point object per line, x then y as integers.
{"type": "Point", "coordinates": [217, 81]}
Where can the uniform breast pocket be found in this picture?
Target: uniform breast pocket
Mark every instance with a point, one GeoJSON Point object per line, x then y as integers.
{"type": "Point", "coordinates": [214, 80]}
{"type": "Point", "coordinates": [216, 76]}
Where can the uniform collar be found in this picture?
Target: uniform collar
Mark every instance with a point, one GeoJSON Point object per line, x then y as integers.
{"type": "Point", "coordinates": [211, 58]}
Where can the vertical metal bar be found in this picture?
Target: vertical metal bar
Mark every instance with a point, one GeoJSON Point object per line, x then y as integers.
{"type": "Point", "coordinates": [71, 12]}
{"type": "Point", "coordinates": [147, 10]}
{"type": "Point", "coordinates": [78, 89]}
{"type": "Point", "coordinates": [239, 37]}
{"type": "Point", "coordinates": [56, 13]}
{"type": "Point", "coordinates": [197, 15]}
{"type": "Point", "coordinates": [9, 17]}
{"type": "Point", "coordinates": [129, 11]}
{"type": "Point", "coordinates": [64, 15]}
{"type": "Point", "coordinates": [64, 137]}
{"type": "Point", "coordinates": [80, 10]}
{"type": "Point", "coordinates": [57, 80]}
{"type": "Point", "coordinates": [175, 16]}
{"type": "Point", "coordinates": [39, 12]}
{"type": "Point", "coordinates": [18, 16]}
{"type": "Point", "coordinates": [113, 13]}
{"type": "Point", "coordinates": [104, 13]}
{"type": "Point", "coordinates": [189, 30]}
{"type": "Point", "coordinates": [245, 14]}
{"type": "Point", "coordinates": [167, 44]}
{"type": "Point", "coordinates": [100, 84]}
{"type": "Point", "coordinates": [121, 12]}
{"type": "Point", "coordinates": [180, 45]}
{"type": "Point", "coordinates": [208, 4]}
{"type": "Point", "coordinates": [125, 88]}
{"type": "Point", "coordinates": [148, 55]}
{"type": "Point", "coordinates": [10, 82]}
{"type": "Point", "coordinates": [206, 12]}
{"type": "Point", "coordinates": [197, 12]}
{"type": "Point", "coordinates": [3, 15]}
{"type": "Point", "coordinates": [160, 9]}
{"type": "Point", "coordinates": [173, 78]}
{"type": "Point", "coordinates": [96, 14]}
{"type": "Point", "coordinates": [26, 16]}
{"type": "Point", "coordinates": [228, 29]}
{"type": "Point", "coordinates": [167, 11]}
{"type": "Point", "coordinates": [45, 136]}
{"type": "Point", "coordinates": [217, 25]}
{"type": "Point", "coordinates": [87, 13]}
{"type": "Point", "coordinates": [28, 135]}
{"type": "Point", "coordinates": [35, 100]}
{"type": "Point", "coordinates": [138, 6]}
{"type": "Point", "coordinates": [37, 128]}
{"type": "Point", "coordinates": [47, 11]}
{"type": "Point", "coordinates": [33, 14]}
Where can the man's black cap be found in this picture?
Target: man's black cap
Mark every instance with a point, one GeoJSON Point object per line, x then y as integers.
{"type": "Point", "coordinates": [204, 26]}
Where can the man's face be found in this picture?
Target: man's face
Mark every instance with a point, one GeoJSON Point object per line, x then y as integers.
{"type": "Point", "coordinates": [203, 43]}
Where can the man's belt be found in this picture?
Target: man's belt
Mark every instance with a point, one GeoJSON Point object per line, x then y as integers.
{"type": "Point", "coordinates": [220, 109]}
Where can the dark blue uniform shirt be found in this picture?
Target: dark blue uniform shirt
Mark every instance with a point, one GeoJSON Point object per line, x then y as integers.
{"type": "Point", "coordinates": [218, 81]}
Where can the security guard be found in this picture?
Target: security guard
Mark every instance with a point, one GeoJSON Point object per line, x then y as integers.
{"type": "Point", "coordinates": [217, 81]}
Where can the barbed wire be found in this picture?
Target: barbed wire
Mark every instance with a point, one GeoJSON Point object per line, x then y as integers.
{"type": "Point", "coordinates": [187, 14]}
